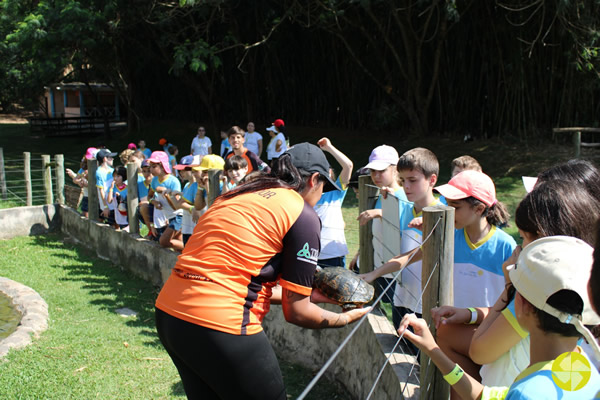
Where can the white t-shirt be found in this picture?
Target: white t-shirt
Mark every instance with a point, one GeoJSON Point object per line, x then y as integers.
{"type": "Point", "coordinates": [271, 148]}
{"type": "Point", "coordinates": [200, 146]}
{"type": "Point", "coordinates": [252, 141]}
{"type": "Point", "coordinates": [329, 210]}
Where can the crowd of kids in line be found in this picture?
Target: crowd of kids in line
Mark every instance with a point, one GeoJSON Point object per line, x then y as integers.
{"type": "Point", "coordinates": [517, 308]}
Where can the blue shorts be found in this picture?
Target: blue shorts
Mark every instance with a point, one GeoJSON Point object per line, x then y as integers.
{"type": "Point", "coordinates": [175, 222]}
{"type": "Point", "coordinates": [84, 204]}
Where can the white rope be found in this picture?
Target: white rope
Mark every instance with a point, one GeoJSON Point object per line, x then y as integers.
{"type": "Point", "coordinates": [327, 364]}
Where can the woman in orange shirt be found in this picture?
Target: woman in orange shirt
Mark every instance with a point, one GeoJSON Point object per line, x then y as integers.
{"type": "Point", "coordinates": [256, 245]}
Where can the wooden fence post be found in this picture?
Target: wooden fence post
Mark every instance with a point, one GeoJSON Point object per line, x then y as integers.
{"type": "Point", "coordinates": [132, 198]}
{"type": "Point", "coordinates": [438, 274]}
{"type": "Point", "coordinates": [60, 178]}
{"type": "Point", "coordinates": [93, 205]}
{"type": "Point", "coordinates": [47, 173]}
{"type": "Point", "coordinates": [27, 173]}
{"type": "Point", "coordinates": [2, 174]}
{"type": "Point", "coordinates": [366, 200]}
{"type": "Point", "coordinates": [214, 175]}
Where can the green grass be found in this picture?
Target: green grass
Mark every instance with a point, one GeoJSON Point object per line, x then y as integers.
{"type": "Point", "coordinates": [89, 351]}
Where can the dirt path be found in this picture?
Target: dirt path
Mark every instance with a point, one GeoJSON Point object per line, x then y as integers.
{"type": "Point", "coordinates": [12, 119]}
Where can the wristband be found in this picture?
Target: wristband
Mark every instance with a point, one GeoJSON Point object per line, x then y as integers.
{"type": "Point", "coordinates": [473, 316]}
{"type": "Point", "coordinates": [454, 376]}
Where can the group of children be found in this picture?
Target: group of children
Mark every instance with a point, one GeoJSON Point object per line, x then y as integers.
{"type": "Point", "coordinates": [504, 345]}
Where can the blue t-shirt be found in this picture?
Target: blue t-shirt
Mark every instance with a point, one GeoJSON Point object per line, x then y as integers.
{"type": "Point", "coordinates": [147, 152]}
{"type": "Point", "coordinates": [104, 177]}
{"type": "Point", "coordinates": [536, 382]}
{"type": "Point", "coordinates": [171, 183]}
{"type": "Point", "coordinates": [141, 187]}
{"type": "Point", "coordinates": [225, 147]}
{"type": "Point", "coordinates": [478, 276]}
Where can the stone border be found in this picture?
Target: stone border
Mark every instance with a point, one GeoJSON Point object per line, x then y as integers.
{"type": "Point", "coordinates": [34, 311]}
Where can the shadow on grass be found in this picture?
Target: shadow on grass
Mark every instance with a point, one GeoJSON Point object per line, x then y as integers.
{"type": "Point", "coordinates": [111, 287]}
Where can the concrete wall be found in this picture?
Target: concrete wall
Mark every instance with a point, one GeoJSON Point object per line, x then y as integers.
{"type": "Point", "coordinates": [355, 368]}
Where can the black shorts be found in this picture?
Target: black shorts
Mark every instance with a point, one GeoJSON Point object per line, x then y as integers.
{"type": "Point", "coordinates": [219, 365]}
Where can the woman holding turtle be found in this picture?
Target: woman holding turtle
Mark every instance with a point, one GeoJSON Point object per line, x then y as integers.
{"type": "Point", "coordinates": [209, 312]}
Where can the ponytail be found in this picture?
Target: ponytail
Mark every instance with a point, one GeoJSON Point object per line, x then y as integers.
{"type": "Point", "coordinates": [496, 215]}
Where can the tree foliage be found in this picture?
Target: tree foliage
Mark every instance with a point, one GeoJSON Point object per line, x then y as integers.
{"type": "Point", "coordinates": [503, 67]}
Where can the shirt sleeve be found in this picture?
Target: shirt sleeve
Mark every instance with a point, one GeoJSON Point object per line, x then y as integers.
{"type": "Point", "coordinates": [301, 246]}
{"type": "Point", "coordinates": [260, 164]}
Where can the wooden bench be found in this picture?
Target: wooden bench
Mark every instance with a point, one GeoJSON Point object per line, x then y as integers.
{"type": "Point", "coordinates": [576, 131]}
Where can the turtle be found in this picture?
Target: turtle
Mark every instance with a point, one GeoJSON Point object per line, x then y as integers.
{"type": "Point", "coordinates": [343, 286]}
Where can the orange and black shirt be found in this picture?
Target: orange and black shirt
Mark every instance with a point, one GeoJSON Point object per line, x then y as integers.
{"type": "Point", "coordinates": [240, 248]}
{"type": "Point", "coordinates": [254, 163]}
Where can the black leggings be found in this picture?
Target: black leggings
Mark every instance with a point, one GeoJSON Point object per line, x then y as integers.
{"type": "Point", "coordinates": [218, 365]}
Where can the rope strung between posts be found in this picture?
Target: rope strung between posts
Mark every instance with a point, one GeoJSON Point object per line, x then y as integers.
{"type": "Point", "coordinates": [318, 376]}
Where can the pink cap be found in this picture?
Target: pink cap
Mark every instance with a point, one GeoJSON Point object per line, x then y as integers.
{"type": "Point", "coordinates": [470, 184]}
{"type": "Point", "coordinates": [382, 157]}
{"type": "Point", "coordinates": [90, 153]}
{"type": "Point", "coordinates": [162, 158]}
{"type": "Point", "coordinates": [132, 146]}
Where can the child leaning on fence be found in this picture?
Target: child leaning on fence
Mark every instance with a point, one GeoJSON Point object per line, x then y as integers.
{"type": "Point", "coordinates": [161, 189]}
{"type": "Point", "coordinates": [186, 200]}
{"type": "Point", "coordinates": [549, 286]}
{"type": "Point", "coordinates": [382, 167]}
{"type": "Point", "coordinates": [117, 196]}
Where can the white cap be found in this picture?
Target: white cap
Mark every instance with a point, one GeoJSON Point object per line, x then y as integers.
{"type": "Point", "coordinates": [555, 263]}
{"type": "Point", "coordinates": [382, 157]}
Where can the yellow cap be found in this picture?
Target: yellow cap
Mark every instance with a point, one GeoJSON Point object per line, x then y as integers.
{"type": "Point", "coordinates": [210, 161]}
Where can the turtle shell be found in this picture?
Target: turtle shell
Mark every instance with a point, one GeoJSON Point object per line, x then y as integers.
{"type": "Point", "coordinates": [343, 286]}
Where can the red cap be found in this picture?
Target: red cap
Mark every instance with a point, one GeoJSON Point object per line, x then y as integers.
{"type": "Point", "coordinates": [162, 141]}
{"type": "Point", "coordinates": [278, 123]}
{"type": "Point", "coordinates": [470, 184]}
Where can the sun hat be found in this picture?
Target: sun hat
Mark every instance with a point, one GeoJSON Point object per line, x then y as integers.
{"type": "Point", "coordinates": [470, 184]}
{"type": "Point", "coordinates": [382, 157]}
{"type": "Point", "coordinates": [551, 264]}
{"type": "Point", "coordinates": [102, 153]}
{"type": "Point", "coordinates": [278, 123]}
{"type": "Point", "coordinates": [162, 141]}
{"type": "Point", "coordinates": [210, 161]}
{"type": "Point", "coordinates": [311, 158]}
{"type": "Point", "coordinates": [189, 161]}
{"type": "Point", "coordinates": [272, 129]}
{"type": "Point", "coordinates": [162, 158]}
{"type": "Point", "coordinates": [90, 153]}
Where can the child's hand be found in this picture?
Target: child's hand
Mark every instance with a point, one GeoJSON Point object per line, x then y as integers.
{"type": "Point", "coordinates": [450, 315]}
{"type": "Point", "coordinates": [368, 215]}
{"type": "Point", "coordinates": [416, 223]}
{"type": "Point", "coordinates": [353, 264]}
{"type": "Point", "coordinates": [196, 215]}
{"type": "Point", "coordinates": [105, 213]}
{"type": "Point", "coordinates": [421, 337]}
{"type": "Point", "coordinates": [324, 144]}
{"type": "Point", "coordinates": [512, 260]}
{"type": "Point", "coordinates": [160, 189]}
{"type": "Point", "coordinates": [385, 191]}
{"type": "Point", "coordinates": [70, 172]}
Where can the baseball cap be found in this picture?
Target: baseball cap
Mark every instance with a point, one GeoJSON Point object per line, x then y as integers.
{"type": "Point", "coordinates": [104, 153]}
{"type": "Point", "coordinates": [278, 123]}
{"type": "Point", "coordinates": [382, 157]}
{"type": "Point", "coordinates": [162, 158]}
{"type": "Point", "coordinates": [90, 153]}
{"type": "Point", "coordinates": [311, 158]}
{"type": "Point", "coordinates": [162, 141]}
{"type": "Point", "coordinates": [210, 161]}
{"type": "Point", "coordinates": [551, 264]}
{"type": "Point", "coordinates": [272, 129]}
{"type": "Point", "coordinates": [470, 184]}
{"type": "Point", "coordinates": [145, 163]}
{"type": "Point", "coordinates": [188, 161]}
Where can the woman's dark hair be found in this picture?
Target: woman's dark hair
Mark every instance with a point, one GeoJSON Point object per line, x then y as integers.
{"type": "Point", "coordinates": [496, 215]}
{"type": "Point", "coordinates": [594, 283]}
{"type": "Point", "coordinates": [122, 172]}
{"type": "Point", "coordinates": [558, 208]}
{"type": "Point", "coordinates": [578, 172]}
{"type": "Point", "coordinates": [282, 175]}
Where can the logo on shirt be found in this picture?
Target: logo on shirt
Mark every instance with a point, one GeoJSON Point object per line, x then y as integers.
{"type": "Point", "coordinates": [571, 371]}
{"type": "Point", "coordinates": [308, 255]}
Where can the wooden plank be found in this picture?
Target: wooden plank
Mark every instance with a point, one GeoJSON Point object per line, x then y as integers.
{"type": "Point", "coordinates": [214, 176]}
{"type": "Point", "coordinates": [27, 177]}
{"type": "Point", "coordinates": [367, 195]}
{"type": "Point", "coordinates": [2, 174]}
{"type": "Point", "coordinates": [60, 178]}
{"type": "Point", "coordinates": [576, 129]}
{"type": "Point", "coordinates": [47, 176]}
{"type": "Point", "coordinates": [132, 198]}
{"type": "Point", "coordinates": [93, 202]}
